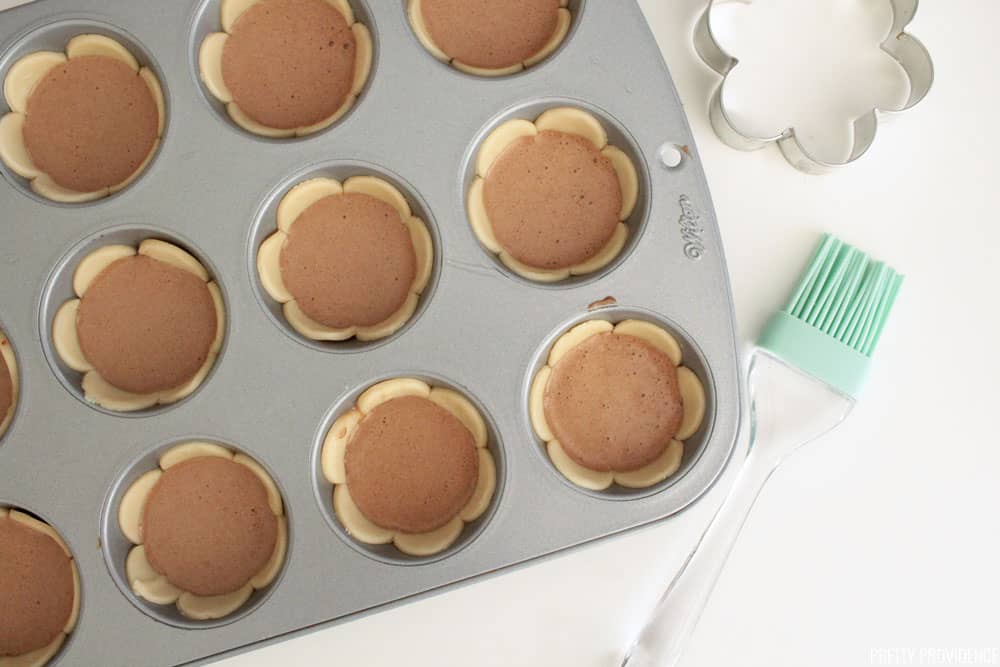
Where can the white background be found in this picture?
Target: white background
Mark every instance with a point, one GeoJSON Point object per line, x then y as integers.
{"type": "Point", "coordinates": [884, 535]}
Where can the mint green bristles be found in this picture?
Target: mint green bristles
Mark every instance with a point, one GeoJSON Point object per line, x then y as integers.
{"type": "Point", "coordinates": [832, 323]}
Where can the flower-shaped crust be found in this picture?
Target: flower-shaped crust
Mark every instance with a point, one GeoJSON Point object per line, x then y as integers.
{"type": "Point", "coordinates": [210, 66]}
{"type": "Point", "coordinates": [691, 391]}
{"type": "Point", "coordinates": [292, 205]}
{"type": "Point", "coordinates": [67, 343]}
{"type": "Point", "coordinates": [41, 656]}
{"type": "Point", "coordinates": [153, 586]}
{"type": "Point", "coordinates": [420, 29]}
{"type": "Point", "coordinates": [335, 449]}
{"type": "Point", "coordinates": [11, 363]}
{"type": "Point", "coordinates": [565, 120]}
{"type": "Point", "coordinates": [20, 82]}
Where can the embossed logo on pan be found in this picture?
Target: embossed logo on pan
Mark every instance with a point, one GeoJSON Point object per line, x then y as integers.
{"type": "Point", "coordinates": [691, 229]}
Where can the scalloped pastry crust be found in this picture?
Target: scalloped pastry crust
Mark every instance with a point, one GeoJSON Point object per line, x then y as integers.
{"type": "Point", "coordinates": [18, 85]}
{"type": "Point", "coordinates": [154, 587]}
{"type": "Point", "coordinates": [568, 120]}
{"type": "Point", "coordinates": [564, 20]}
{"type": "Point", "coordinates": [210, 70]}
{"type": "Point", "coordinates": [41, 656]}
{"type": "Point", "coordinates": [335, 447]}
{"type": "Point", "coordinates": [692, 396]}
{"type": "Point", "coordinates": [67, 345]}
{"type": "Point", "coordinates": [301, 197]}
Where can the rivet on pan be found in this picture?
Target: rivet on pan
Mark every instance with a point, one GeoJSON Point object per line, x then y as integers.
{"type": "Point", "coordinates": [671, 155]}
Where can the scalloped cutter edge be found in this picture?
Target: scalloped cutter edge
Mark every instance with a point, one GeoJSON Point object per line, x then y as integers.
{"type": "Point", "coordinates": [903, 47]}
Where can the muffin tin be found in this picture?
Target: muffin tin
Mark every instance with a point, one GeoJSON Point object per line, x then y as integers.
{"type": "Point", "coordinates": [212, 189]}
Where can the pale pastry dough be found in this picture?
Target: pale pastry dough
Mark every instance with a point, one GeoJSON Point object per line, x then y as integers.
{"type": "Point", "coordinates": [335, 444]}
{"type": "Point", "coordinates": [21, 79]}
{"type": "Point", "coordinates": [292, 205]}
{"type": "Point", "coordinates": [654, 335]}
{"type": "Point", "coordinates": [464, 410]}
{"type": "Point", "coordinates": [692, 397]}
{"type": "Point", "coordinates": [24, 74]}
{"type": "Point", "coordinates": [210, 69]}
{"type": "Point", "coordinates": [15, 387]}
{"type": "Point", "coordinates": [484, 71]}
{"type": "Point", "coordinates": [564, 20]}
{"type": "Point", "coordinates": [154, 587]}
{"type": "Point", "coordinates": [99, 45]}
{"type": "Point", "coordinates": [192, 450]}
{"type": "Point", "coordinates": [335, 447]}
{"type": "Point", "coordinates": [13, 152]}
{"type": "Point", "coordinates": [575, 336]}
{"type": "Point", "coordinates": [416, 17]}
{"type": "Point", "coordinates": [381, 190]}
{"type": "Point", "coordinates": [573, 121]}
{"type": "Point", "coordinates": [67, 345]}
{"type": "Point", "coordinates": [210, 65]}
{"type": "Point", "coordinates": [40, 657]}
{"type": "Point", "coordinates": [568, 120]}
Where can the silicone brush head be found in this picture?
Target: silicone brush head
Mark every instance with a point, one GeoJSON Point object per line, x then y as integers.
{"type": "Point", "coordinates": [834, 319]}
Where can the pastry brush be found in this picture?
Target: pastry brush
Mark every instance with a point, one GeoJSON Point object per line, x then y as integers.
{"type": "Point", "coordinates": [806, 374]}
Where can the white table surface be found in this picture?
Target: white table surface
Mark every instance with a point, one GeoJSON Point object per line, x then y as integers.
{"type": "Point", "coordinates": [878, 545]}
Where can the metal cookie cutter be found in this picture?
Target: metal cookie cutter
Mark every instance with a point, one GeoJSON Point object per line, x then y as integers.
{"type": "Point", "coordinates": [906, 49]}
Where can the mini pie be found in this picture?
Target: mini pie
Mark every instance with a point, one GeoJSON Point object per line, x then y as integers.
{"type": "Point", "coordinates": [40, 590]}
{"type": "Point", "coordinates": [286, 68]}
{"type": "Point", "coordinates": [410, 465]}
{"type": "Point", "coordinates": [82, 124]}
{"type": "Point", "coordinates": [347, 260]}
{"type": "Point", "coordinates": [490, 38]}
{"type": "Point", "coordinates": [551, 197]}
{"type": "Point", "coordinates": [146, 328]}
{"type": "Point", "coordinates": [9, 386]}
{"type": "Point", "coordinates": [613, 404]}
{"type": "Point", "coordinates": [209, 527]}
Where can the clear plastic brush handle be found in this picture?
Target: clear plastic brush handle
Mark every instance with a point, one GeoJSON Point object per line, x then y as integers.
{"type": "Point", "coordinates": [787, 410]}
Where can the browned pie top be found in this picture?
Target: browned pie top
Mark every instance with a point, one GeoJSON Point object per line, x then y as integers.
{"type": "Point", "coordinates": [145, 325]}
{"type": "Point", "coordinates": [289, 63]}
{"type": "Point", "coordinates": [490, 34]}
{"type": "Point", "coordinates": [6, 386]}
{"type": "Point", "coordinates": [612, 402]}
{"type": "Point", "coordinates": [349, 261]}
{"type": "Point", "coordinates": [553, 200]}
{"type": "Point", "coordinates": [411, 465]}
{"type": "Point", "coordinates": [91, 122]}
{"type": "Point", "coordinates": [36, 588]}
{"type": "Point", "coordinates": [207, 526]}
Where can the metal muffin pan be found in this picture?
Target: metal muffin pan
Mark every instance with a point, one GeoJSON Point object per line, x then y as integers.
{"type": "Point", "coordinates": [479, 329]}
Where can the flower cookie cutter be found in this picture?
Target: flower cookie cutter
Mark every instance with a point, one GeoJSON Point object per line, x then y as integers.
{"type": "Point", "coordinates": [901, 46]}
